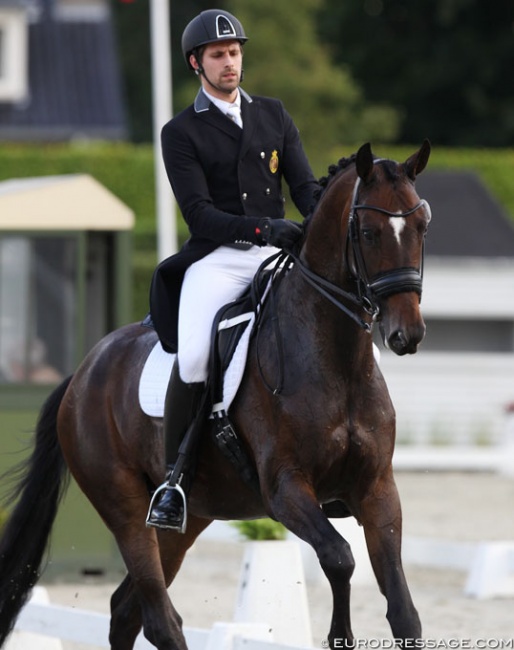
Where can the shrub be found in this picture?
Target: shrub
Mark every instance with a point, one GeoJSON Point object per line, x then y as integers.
{"type": "Point", "coordinates": [127, 170]}
{"type": "Point", "coordinates": [260, 529]}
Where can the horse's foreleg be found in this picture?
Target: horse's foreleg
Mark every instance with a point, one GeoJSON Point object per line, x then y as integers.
{"type": "Point", "coordinates": [382, 520]}
{"type": "Point", "coordinates": [296, 506]}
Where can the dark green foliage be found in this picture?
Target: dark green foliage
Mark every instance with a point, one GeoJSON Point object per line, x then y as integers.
{"type": "Point", "coordinates": [128, 171]}
{"type": "Point", "coordinates": [260, 529]}
{"type": "Point", "coordinates": [385, 70]}
{"type": "Point", "coordinates": [132, 24]}
{"type": "Point", "coordinates": [446, 64]}
{"type": "Point", "coordinates": [284, 59]}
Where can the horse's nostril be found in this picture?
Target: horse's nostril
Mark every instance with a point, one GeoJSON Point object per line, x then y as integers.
{"type": "Point", "coordinates": [402, 342]}
{"type": "Point", "coordinates": [398, 338]}
{"type": "Point", "coordinates": [398, 342]}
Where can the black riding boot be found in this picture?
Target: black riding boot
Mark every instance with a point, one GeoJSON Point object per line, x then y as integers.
{"type": "Point", "coordinates": [168, 507]}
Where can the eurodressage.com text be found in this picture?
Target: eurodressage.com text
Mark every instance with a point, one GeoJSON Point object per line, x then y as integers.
{"type": "Point", "coordinates": [429, 644]}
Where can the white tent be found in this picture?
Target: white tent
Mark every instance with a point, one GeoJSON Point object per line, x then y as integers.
{"type": "Point", "coordinates": [71, 202]}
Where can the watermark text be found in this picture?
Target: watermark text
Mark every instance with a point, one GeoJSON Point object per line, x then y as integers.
{"type": "Point", "coordinates": [423, 644]}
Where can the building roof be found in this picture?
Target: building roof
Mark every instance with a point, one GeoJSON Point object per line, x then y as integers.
{"type": "Point", "coordinates": [15, 3]}
{"type": "Point", "coordinates": [466, 220]}
{"type": "Point", "coordinates": [74, 83]}
{"type": "Point", "coordinates": [70, 202]}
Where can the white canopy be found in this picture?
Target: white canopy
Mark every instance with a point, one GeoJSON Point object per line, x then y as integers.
{"type": "Point", "coordinates": [71, 202]}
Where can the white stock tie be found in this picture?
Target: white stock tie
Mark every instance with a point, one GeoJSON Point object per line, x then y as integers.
{"type": "Point", "coordinates": [234, 112]}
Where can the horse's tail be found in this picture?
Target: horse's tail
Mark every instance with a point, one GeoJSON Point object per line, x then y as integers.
{"type": "Point", "coordinates": [41, 481]}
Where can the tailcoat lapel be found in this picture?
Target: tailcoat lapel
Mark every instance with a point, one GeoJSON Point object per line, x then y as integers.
{"type": "Point", "coordinates": [206, 111]}
{"type": "Point", "coordinates": [250, 112]}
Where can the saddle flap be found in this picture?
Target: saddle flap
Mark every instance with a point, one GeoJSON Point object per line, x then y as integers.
{"type": "Point", "coordinates": [231, 322]}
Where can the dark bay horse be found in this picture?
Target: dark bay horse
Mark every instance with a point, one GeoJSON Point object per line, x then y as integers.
{"type": "Point", "coordinates": [327, 436]}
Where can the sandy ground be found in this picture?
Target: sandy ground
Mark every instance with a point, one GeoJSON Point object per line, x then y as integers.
{"type": "Point", "coordinates": [466, 507]}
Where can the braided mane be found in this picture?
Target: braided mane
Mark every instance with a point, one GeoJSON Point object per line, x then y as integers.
{"type": "Point", "coordinates": [342, 163]}
{"type": "Point", "coordinates": [323, 182]}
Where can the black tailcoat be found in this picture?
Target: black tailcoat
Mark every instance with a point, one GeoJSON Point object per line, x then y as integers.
{"type": "Point", "coordinates": [225, 179]}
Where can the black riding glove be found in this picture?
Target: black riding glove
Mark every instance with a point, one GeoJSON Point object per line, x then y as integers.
{"type": "Point", "coordinates": [278, 232]}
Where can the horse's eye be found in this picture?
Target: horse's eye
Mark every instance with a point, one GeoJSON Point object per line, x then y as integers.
{"type": "Point", "coordinates": [423, 229]}
{"type": "Point", "coordinates": [368, 235]}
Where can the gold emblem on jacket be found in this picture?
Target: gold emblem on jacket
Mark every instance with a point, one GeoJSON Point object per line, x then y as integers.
{"type": "Point", "coordinates": [273, 162]}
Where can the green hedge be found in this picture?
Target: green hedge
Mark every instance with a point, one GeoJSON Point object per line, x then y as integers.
{"type": "Point", "coordinates": [128, 171]}
{"type": "Point", "coordinates": [494, 166]}
{"type": "Point", "coordinates": [125, 169]}
{"type": "Point", "coordinates": [260, 529]}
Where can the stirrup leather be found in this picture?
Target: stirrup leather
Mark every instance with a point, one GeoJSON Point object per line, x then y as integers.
{"type": "Point", "coordinates": [166, 486]}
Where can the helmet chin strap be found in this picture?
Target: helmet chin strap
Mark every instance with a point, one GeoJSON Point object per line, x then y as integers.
{"type": "Point", "coordinates": [200, 71]}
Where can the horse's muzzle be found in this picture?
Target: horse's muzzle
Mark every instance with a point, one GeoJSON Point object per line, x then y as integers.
{"type": "Point", "coordinates": [401, 343]}
{"type": "Point", "coordinates": [403, 332]}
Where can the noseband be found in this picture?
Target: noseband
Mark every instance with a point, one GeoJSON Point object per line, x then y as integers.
{"type": "Point", "coordinates": [369, 290]}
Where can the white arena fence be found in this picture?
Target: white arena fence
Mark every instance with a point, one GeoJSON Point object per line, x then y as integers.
{"type": "Point", "coordinates": [261, 623]}
{"type": "Point", "coordinates": [451, 400]}
{"type": "Point", "coordinates": [43, 626]}
{"type": "Point", "coordinates": [489, 566]}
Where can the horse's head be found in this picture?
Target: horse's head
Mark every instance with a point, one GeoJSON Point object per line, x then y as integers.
{"type": "Point", "coordinates": [386, 232]}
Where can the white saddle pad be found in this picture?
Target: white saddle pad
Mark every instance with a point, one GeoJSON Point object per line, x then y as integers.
{"type": "Point", "coordinates": [156, 374]}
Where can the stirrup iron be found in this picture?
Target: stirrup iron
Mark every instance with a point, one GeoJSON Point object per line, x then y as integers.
{"type": "Point", "coordinates": [166, 486]}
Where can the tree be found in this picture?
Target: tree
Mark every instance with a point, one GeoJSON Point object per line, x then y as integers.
{"type": "Point", "coordinates": [283, 59]}
{"type": "Point", "coordinates": [132, 24]}
{"type": "Point", "coordinates": [446, 64]}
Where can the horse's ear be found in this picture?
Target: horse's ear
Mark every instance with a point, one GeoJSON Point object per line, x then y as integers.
{"type": "Point", "coordinates": [418, 161]}
{"type": "Point", "coordinates": [364, 162]}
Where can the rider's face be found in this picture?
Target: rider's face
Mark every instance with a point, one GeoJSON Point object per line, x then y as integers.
{"type": "Point", "coordinates": [222, 63]}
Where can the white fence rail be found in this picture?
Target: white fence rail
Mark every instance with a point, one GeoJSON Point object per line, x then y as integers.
{"type": "Point", "coordinates": [412, 458]}
{"type": "Point", "coordinates": [43, 626]}
{"type": "Point", "coordinates": [450, 399]}
{"type": "Point", "coordinates": [489, 565]}
{"type": "Point", "coordinates": [280, 622]}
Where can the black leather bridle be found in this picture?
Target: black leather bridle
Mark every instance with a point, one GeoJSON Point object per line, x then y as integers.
{"type": "Point", "coordinates": [389, 282]}
{"type": "Point", "coordinates": [369, 290]}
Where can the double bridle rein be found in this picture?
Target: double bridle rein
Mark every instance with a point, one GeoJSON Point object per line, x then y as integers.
{"type": "Point", "coordinates": [369, 290]}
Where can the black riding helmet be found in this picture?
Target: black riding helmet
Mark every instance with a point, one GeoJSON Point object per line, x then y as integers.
{"type": "Point", "coordinates": [208, 27]}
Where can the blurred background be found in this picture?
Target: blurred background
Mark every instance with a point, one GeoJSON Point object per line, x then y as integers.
{"type": "Point", "coordinates": [78, 226]}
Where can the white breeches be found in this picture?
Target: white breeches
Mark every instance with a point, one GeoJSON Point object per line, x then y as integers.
{"type": "Point", "coordinates": [217, 279]}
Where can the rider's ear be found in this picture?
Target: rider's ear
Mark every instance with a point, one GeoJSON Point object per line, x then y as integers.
{"type": "Point", "coordinates": [418, 161]}
{"type": "Point", "coordinates": [194, 63]}
{"type": "Point", "coordinates": [364, 162]}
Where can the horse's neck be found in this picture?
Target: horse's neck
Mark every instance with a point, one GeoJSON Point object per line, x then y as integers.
{"type": "Point", "coordinates": [343, 343]}
{"type": "Point", "coordinates": [342, 346]}
{"type": "Point", "coordinates": [324, 248]}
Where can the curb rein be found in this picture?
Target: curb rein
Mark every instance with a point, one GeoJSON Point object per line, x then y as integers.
{"type": "Point", "coordinates": [369, 291]}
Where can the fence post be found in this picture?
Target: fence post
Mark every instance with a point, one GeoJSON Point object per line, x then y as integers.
{"type": "Point", "coordinates": [272, 590]}
{"type": "Point", "coordinates": [222, 635]}
{"type": "Point", "coordinates": [492, 571]}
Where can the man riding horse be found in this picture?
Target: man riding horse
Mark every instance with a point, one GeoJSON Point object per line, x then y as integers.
{"type": "Point", "coordinates": [225, 156]}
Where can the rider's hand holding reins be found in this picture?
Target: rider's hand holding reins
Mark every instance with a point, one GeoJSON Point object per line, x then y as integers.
{"type": "Point", "coordinates": [281, 233]}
